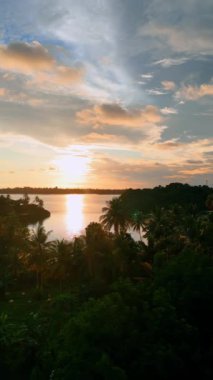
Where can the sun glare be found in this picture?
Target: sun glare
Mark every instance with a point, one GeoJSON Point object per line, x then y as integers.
{"type": "Point", "coordinates": [74, 215]}
{"type": "Point", "coordinates": [73, 169]}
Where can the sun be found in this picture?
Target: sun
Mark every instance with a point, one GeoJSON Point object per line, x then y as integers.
{"type": "Point", "coordinates": [72, 169]}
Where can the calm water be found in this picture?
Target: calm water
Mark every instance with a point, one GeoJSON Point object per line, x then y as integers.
{"type": "Point", "coordinates": [71, 213]}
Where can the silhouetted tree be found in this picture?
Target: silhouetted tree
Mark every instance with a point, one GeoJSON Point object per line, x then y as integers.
{"type": "Point", "coordinates": [114, 215]}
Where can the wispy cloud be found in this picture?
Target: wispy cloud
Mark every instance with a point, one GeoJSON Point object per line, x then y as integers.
{"type": "Point", "coordinates": [147, 76]}
{"type": "Point", "coordinates": [168, 62]}
{"type": "Point", "coordinates": [188, 39]}
{"type": "Point", "coordinates": [156, 91]}
{"type": "Point", "coordinates": [169, 111]}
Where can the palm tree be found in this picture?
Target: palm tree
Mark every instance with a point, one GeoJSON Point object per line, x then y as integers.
{"type": "Point", "coordinates": [114, 216]}
{"type": "Point", "coordinates": [40, 244]}
{"type": "Point", "coordinates": [137, 222]}
{"type": "Point", "coordinates": [62, 257]}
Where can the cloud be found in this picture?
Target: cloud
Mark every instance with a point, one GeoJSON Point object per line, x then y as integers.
{"type": "Point", "coordinates": [25, 57]}
{"type": "Point", "coordinates": [169, 111]}
{"type": "Point", "coordinates": [156, 92]}
{"type": "Point", "coordinates": [194, 92]}
{"type": "Point", "coordinates": [168, 62]}
{"type": "Point", "coordinates": [195, 162]}
{"type": "Point", "coordinates": [137, 173]}
{"type": "Point", "coordinates": [67, 75]}
{"type": "Point", "coordinates": [143, 173]}
{"type": "Point", "coordinates": [197, 171]}
{"type": "Point", "coordinates": [190, 39]}
{"type": "Point", "coordinates": [114, 114]}
{"type": "Point", "coordinates": [19, 97]}
{"type": "Point", "coordinates": [2, 91]}
{"type": "Point", "coordinates": [59, 76]}
{"type": "Point", "coordinates": [169, 150]}
{"type": "Point", "coordinates": [105, 138]}
{"type": "Point", "coordinates": [34, 59]}
{"type": "Point", "coordinates": [168, 85]}
{"type": "Point", "coordinates": [209, 154]}
{"type": "Point", "coordinates": [147, 76]}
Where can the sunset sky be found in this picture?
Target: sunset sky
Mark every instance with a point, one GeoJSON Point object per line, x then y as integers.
{"type": "Point", "coordinates": [106, 93]}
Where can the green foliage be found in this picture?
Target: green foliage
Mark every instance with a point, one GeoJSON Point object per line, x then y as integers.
{"type": "Point", "coordinates": [19, 347]}
{"type": "Point", "coordinates": [133, 332]}
{"type": "Point", "coordinates": [104, 306]}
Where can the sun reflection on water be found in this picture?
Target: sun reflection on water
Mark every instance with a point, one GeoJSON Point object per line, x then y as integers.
{"type": "Point", "coordinates": [74, 214]}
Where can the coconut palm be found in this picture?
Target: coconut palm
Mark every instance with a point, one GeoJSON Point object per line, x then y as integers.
{"type": "Point", "coordinates": [114, 216]}
{"type": "Point", "coordinates": [40, 245]}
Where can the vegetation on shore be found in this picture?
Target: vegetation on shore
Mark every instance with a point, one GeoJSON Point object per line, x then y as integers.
{"type": "Point", "coordinates": [22, 209]}
{"type": "Point", "coordinates": [104, 306]}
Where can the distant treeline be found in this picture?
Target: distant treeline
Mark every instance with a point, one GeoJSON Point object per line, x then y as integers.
{"type": "Point", "coordinates": [184, 195]}
{"type": "Point", "coordinates": [56, 190]}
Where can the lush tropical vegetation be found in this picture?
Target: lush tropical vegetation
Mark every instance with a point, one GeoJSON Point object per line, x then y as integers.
{"type": "Point", "coordinates": [104, 306]}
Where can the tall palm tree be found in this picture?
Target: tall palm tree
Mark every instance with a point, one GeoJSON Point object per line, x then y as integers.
{"type": "Point", "coordinates": [40, 244]}
{"type": "Point", "coordinates": [114, 216]}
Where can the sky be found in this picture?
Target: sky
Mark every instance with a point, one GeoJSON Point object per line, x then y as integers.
{"type": "Point", "coordinates": [106, 93]}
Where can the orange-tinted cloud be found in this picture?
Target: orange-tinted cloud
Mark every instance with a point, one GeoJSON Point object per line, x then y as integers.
{"type": "Point", "coordinates": [34, 59]}
{"type": "Point", "coordinates": [194, 92]}
{"type": "Point", "coordinates": [65, 74]}
{"type": "Point", "coordinates": [2, 91]}
{"type": "Point", "coordinates": [114, 114]}
{"type": "Point", "coordinates": [168, 85]}
{"type": "Point", "coordinates": [197, 171]}
{"type": "Point", "coordinates": [25, 57]}
{"type": "Point", "coordinates": [60, 76]}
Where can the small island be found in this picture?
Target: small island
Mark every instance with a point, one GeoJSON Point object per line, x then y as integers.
{"type": "Point", "coordinates": [26, 212]}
